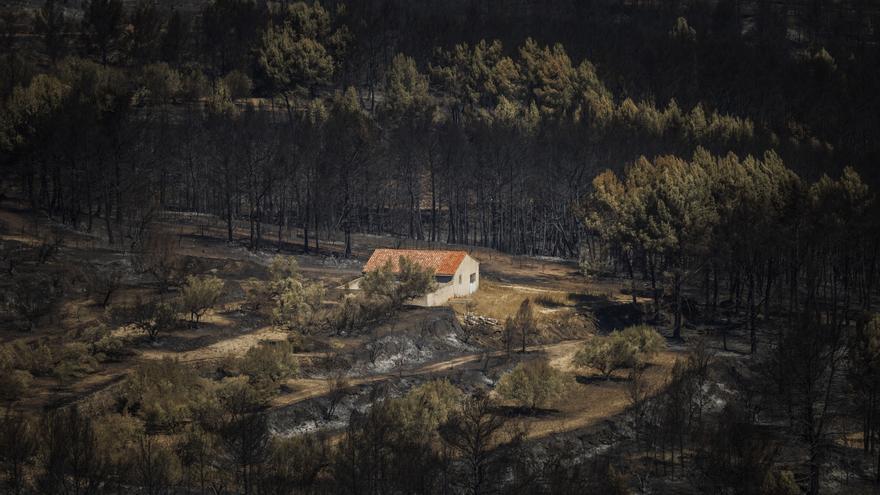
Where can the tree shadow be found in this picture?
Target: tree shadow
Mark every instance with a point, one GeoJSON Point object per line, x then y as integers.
{"type": "Point", "coordinates": [525, 412]}
{"type": "Point", "coordinates": [598, 379]}
{"type": "Point", "coordinates": [608, 314]}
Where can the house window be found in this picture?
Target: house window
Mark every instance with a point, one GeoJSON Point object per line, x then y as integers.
{"type": "Point", "coordinates": [473, 277]}
{"type": "Point", "coordinates": [459, 280]}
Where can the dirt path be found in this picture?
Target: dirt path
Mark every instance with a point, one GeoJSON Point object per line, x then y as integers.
{"type": "Point", "coordinates": [310, 388]}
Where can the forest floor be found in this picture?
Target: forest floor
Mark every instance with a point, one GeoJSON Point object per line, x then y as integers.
{"type": "Point", "coordinates": [417, 345]}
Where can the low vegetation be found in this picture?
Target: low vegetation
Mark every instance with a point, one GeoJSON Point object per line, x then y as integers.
{"type": "Point", "coordinates": [630, 348]}
{"type": "Point", "coordinates": [532, 385]}
{"type": "Point", "coordinates": [199, 295]}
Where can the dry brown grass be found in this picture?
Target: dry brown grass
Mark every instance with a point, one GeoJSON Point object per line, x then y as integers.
{"type": "Point", "coordinates": [499, 300]}
{"type": "Point", "coordinates": [589, 403]}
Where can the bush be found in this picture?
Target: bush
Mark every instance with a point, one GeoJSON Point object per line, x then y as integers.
{"type": "Point", "coordinates": [413, 280]}
{"type": "Point", "coordinates": [35, 357]}
{"type": "Point", "coordinates": [295, 302]}
{"type": "Point", "coordinates": [356, 312]}
{"type": "Point", "coordinates": [532, 385]}
{"type": "Point", "coordinates": [429, 405]}
{"type": "Point", "coordinates": [410, 281]}
{"type": "Point", "coordinates": [645, 339]}
{"type": "Point", "coordinates": [780, 483]}
{"type": "Point", "coordinates": [75, 362]}
{"type": "Point", "coordinates": [379, 283]}
{"type": "Point", "coordinates": [199, 295]}
{"type": "Point", "coordinates": [14, 384]}
{"type": "Point", "coordinates": [161, 82]}
{"type": "Point", "coordinates": [237, 397]}
{"type": "Point", "coordinates": [606, 354]}
{"type": "Point", "coordinates": [150, 315]}
{"type": "Point", "coordinates": [194, 84]}
{"type": "Point", "coordinates": [268, 364]}
{"type": "Point", "coordinates": [164, 393]}
{"type": "Point", "coordinates": [238, 84]}
{"type": "Point", "coordinates": [621, 349]}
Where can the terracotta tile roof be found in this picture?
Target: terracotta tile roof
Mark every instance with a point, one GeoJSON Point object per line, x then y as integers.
{"type": "Point", "coordinates": [443, 262]}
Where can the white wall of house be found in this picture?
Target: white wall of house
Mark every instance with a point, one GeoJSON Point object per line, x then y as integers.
{"type": "Point", "coordinates": [467, 278]}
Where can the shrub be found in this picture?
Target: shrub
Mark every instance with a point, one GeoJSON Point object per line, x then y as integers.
{"type": "Point", "coordinates": [620, 349]}
{"type": "Point", "coordinates": [533, 384]}
{"type": "Point", "coordinates": [35, 357]}
{"type": "Point", "coordinates": [356, 312]}
{"type": "Point", "coordinates": [780, 483]}
{"type": "Point", "coordinates": [238, 84]}
{"type": "Point", "coordinates": [379, 283]}
{"type": "Point", "coordinates": [295, 302]}
{"type": "Point", "coordinates": [410, 281]}
{"type": "Point", "coordinates": [268, 364]}
{"type": "Point", "coordinates": [150, 315]}
{"type": "Point", "coordinates": [606, 354]}
{"type": "Point", "coordinates": [199, 295]}
{"type": "Point", "coordinates": [647, 341]}
{"type": "Point", "coordinates": [237, 397]}
{"type": "Point", "coordinates": [194, 84]}
{"type": "Point", "coordinates": [429, 405]}
{"type": "Point", "coordinates": [75, 362]}
{"type": "Point", "coordinates": [413, 280]}
{"type": "Point", "coordinates": [14, 384]}
{"type": "Point", "coordinates": [161, 82]}
{"type": "Point", "coordinates": [163, 392]}
{"type": "Point", "coordinates": [295, 462]}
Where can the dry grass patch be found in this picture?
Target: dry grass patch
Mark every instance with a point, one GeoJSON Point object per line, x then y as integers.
{"type": "Point", "coordinates": [591, 401]}
{"type": "Point", "coordinates": [499, 300]}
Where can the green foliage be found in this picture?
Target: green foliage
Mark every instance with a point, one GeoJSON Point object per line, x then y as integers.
{"type": "Point", "coordinates": [532, 384]}
{"type": "Point", "coordinates": [238, 84]}
{"type": "Point", "coordinates": [631, 347]}
{"type": "Point", "coordinates": [161, 83]}
{"type": "Point", "coordinates": [30, 109]}
{"type": "Point", "coordinates": [292, 61]}
{"type": "Point", "coordinates": [153, 316]}
{"type": "Point", "coordinates": [267, 365]}
{"type": "Point", "coordinates": [199, 295]}
{"type": "Point", "coordinates": [380, 283]}
{"type": "Point", "coordinates": [424, 408]}
{"type": "Point", "coordinates": [74, 362]}
{"type": "Point", "coordinates": [606, 354]}
{"type": "Point", "coordinates": [406, 86]}
{"type": "Point", "coordinates": [295, 461]}
{"type": "Point", "coordinates": [645, 339]}
{"type": "Point", "coordinates": [780, 483]}
{"type": "Point", "coordinates": [164, 393]}
{"type": "Point", "coordinates": [295, 301]}
{"type": "Point", "coordinates": [410, 281]}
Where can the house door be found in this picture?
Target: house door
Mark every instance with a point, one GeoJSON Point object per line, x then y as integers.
{"type": "Point", "coordinates": [473, 285]}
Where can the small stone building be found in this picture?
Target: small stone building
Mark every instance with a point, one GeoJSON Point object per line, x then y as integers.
{"type": "Point", "coordinates": [456, 273]}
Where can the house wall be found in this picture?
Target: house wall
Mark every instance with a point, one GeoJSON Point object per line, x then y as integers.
{"type": "Point", "coordinates": [458, 285]}
{"type": "Point", "coordinates": [461, 280]}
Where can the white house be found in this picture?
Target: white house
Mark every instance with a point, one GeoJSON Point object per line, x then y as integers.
{"type": "Point", "coordinates": [456, 273]}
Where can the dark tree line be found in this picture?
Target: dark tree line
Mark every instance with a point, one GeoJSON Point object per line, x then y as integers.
{"type": "Point", "coordinates": [478, 142]}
